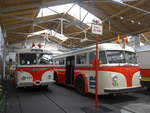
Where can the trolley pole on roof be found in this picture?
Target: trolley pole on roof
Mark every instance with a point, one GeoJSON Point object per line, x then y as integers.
{"type": "Point", "coordinates": [96, 29]}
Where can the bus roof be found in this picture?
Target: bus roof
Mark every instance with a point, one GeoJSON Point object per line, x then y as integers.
{"type": "Point", "coordinates": [104, 46]}
{"type": "Point", "coordinates": [143, 48]}
{"type": "Point", "coordinates": [26, 50]}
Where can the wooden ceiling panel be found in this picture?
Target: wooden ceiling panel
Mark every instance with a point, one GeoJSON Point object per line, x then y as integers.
{"type": "Point", "coordinates": [110, 12]}
{"type": "Point", "coordinates": [7, 4]}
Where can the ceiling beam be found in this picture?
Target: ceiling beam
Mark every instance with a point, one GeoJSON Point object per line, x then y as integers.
{"type": "Point", "coordinates": [47, 4]}
{"type": "Point", "coordinates": [21, 17]}
{"type": "Point", "coordinates": [119, 3]}
{"type": "Point", "coordinates": [126, 9]}
{"type": "Point", "coordinates": [99, 11]}
{"type": "Point", "coordinates": [25, 25]}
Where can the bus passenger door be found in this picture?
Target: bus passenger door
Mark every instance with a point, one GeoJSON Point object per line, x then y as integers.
{"type": "Point", "coordinates": [70, 64]}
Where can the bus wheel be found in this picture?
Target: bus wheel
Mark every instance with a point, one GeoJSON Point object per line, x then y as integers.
{"type": "Point", "coordinates": [45, 87]}
{"type": "Point", "coordinates": [56, 78]}
{"type": "Point", "coordinates": [148, 88]}
{"type": "Point", "coordinates": [80, 85]}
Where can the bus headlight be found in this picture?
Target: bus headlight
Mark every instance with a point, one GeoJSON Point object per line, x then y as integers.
{"type": "Point", "coordinates": [49, 76]}
{"type": "Point", "coordinates": [26, 78]}
{"type": "Point", "coordinates": [139, 76]}
{"type": "Point", "coordinates": [23, 78]}
{"type": "Point", "coordinates": [114, 80]}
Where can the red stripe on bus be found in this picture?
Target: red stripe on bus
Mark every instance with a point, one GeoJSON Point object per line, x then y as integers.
{"type": "Point", "coordinates": [128, 72]}
{"type": "Point", "coordinates": [145, 72]}
{"type": "Point", "coordinates": [59, 67]}
{"type": "Point", "coordinates": [37, 75]}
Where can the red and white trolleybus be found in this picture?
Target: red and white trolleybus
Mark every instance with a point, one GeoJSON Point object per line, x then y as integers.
{"type": "Point", "coordinates": [33, 68]}
{"type": "Point", "coordinates": [118, 69]}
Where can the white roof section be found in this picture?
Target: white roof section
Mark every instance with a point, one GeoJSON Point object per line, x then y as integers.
{"type": "Point", "coordinates": [33, 51]}
{"type": "Point", "coordinates": [111, 46]}
{"type": "Point", "coordinates": [143, 48]}
{"type": "Point", "coordinates": [102, 47]}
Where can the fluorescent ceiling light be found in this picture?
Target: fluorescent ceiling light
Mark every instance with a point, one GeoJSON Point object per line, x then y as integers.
{"type": "Point", "coordinates": [58, 35]}
{"type": "Point", "coordinates": [121, 1]}
{"type": "Point", "coordinates": [118, 1]}
{"type": "Point", "coordinates": [38, 33]}
{"type": "Point", "coordinates": [51, 33]}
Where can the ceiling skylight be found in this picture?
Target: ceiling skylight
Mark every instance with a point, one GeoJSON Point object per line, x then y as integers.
{"type": "Point", "coordinates": [72, 9]}
{"type": "Point", "coordinates": [118, 1]}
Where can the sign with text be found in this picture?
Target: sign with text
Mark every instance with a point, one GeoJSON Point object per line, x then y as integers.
{"type": "Point", "coordinates": [97, 29]}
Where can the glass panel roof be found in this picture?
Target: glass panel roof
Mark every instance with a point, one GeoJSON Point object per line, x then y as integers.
{"type": "Point", "coordinates": [118, 1]}
{"type": "Point", "coordinates": [72, 9]}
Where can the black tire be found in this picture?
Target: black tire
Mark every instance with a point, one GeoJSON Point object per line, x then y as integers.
{"type": "Point", "coordinates": [45, 87]}
{"type": "Point", "coordinates": [148, 88]}
{"type": "Point", "coordinates": [56, 78]}
{"type": "Point", "coordinates": [80, 85]}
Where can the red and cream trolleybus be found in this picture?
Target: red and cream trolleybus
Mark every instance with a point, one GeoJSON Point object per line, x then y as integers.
{"type": "Point", "coordinates": [33, 68]}
{"type": "Point", "coordinates": [118, 69]}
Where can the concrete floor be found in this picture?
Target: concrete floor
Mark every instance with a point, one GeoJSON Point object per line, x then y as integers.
{"type": "Point", "coordinates": [60, 99]}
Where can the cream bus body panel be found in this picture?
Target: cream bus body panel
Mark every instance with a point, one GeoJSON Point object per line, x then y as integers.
{"type": "Point", "coordinates": [22, 83]}
{"type": "Point", "coordinates": [47, 78]}
{"type": "Point", "coordinates": [143, 58]}
{"type": "Point", "coordinates": [107, 77]}
{"type": "Point", "coordinates": [135, 80]}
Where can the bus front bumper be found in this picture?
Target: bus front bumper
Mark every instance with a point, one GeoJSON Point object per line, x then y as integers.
{"type": "Point", "coordinates": [121, 90]}
{"type": "Point", "coordinates": [35, 83]}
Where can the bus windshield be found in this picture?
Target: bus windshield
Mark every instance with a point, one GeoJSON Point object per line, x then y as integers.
{"type": "Point", "coordinates": [27, 58]}
{"type": "Point", "coordinates": [35, 58]}
{"type": "Point", "coordinates": [130, 57]}
{"type": "Point", "coordinates": [117, 56]}
{"type": "Point", "coordinates": [44, 58]}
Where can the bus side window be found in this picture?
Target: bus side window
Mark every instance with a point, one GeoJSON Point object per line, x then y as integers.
{"type": "Point", "coordinates": [61, 61]}
{"type": "Point", "coordinates": [102, 57]}
{"type": "Point", "coordinates": [57, 62]}
{"type": "Point", "coordinates": [68, 63]}
{"type": "Point", "coordinates": [82, 58]}
{"type": "Point", "coordinates": [92, 56]}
